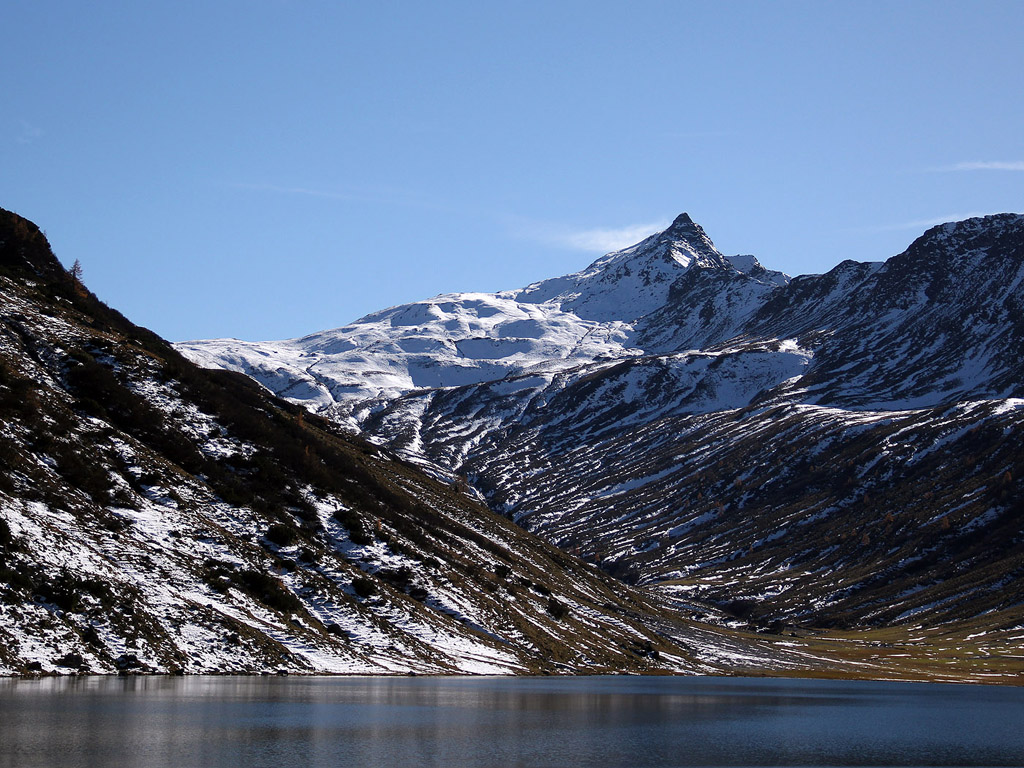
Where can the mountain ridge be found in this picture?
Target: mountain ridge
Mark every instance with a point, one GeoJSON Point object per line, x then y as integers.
{"type": "Point", "coordinates": [156, 517]}
{"type": "Point", "coordinates": [159, 518]}
{"type": "Point", "coordinates": [762, 375]}
{"type": "Point", "coordinates": [461, 339]}
{"type": "Point", "coordinates": [600, 312]}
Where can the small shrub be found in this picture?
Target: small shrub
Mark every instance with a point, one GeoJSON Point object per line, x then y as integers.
{"type": "Point", "coordinates": [217, 574]}
{"type": "Point", "coordinates": [741, 609]}
{"type": "Point", "coordinates": [16, 579]}
{"type": "Point", "coordinates": [88, 476]}
{"type": "Point", "coordinates": [20, 396]}
{"type": "Point", "coordinates": [72, 660]}
{"type": "Point", "coordinates": [127, 661]}
{"type": "Point", "coordinates": [557, 610]}
{"type": "Point", "coordinates": [357, 532]}
{"type": "Point", "coordinates": [398, 547]}
{"type": "Point", "coordinates": [268, 590]}
{"type": "Point", "coordinates": [363, 586]}
{"type": "Point", "coordinates": [418, 593]}
{"type": "Point", "coordinates": [281, 535]}
{"type": "Point", "coordinates": [113, 523]}
{"type": "Point", "coordinates": [6, 537]}
{"type": "Point", "coordinates": [400, 577]}
{"type": "Point", "coordinates": [66, 591]}
{"type": "Point", "coordinates": [303, 509]}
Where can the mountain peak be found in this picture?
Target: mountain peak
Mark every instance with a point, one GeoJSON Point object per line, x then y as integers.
{"type": "Point", "coordinates": [686, 237]}
{"type": "Point", "coordinates": [987, 227]}
{"type": "Point", "coordinates": [630, 283]}
{"type": "Point", "coordinates": [24, 250]}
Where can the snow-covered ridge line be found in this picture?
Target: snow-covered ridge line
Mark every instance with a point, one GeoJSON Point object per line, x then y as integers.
{"type": "Point", "coordinates": [597, 314]}
{"type": "Point", "coordinates": [673, 292]}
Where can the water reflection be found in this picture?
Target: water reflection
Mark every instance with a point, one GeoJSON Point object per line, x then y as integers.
{"type": "Point", "coordinates": [619, 721]}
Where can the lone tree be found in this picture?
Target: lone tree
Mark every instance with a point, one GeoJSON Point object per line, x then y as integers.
{"type": "Point", "coordinates": [76, 277]}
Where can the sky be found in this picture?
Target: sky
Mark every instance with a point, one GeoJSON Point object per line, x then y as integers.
{"type": "Point", "coordinates": [271, 168]}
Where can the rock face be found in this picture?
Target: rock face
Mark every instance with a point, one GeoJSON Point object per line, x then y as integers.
{"type": "Point", "coordinates": [157, 517]}
{"type": "Point", "coordinates": [832, 449]}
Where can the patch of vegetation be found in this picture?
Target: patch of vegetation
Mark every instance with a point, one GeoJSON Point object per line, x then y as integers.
{"type": "Point", "coordinates": [100, 394]}
{"type": "Point", "coordinates": [88, 476]}
{"type": "Point", "coordinates": [6, 537]}
{"type": "Point", "coordinates": [419, 593]}
{"type": "Point", "coordinates": [19, 583]}
{"type": "Point", "coordinates": [66, 591]}
{"type": "Point", "coordinates": [19, 398]}
{"type": "Point", "coordinates": [267, 590]}
{"type": "Point", "coordinates": [282, 535]}
{"type": "Point", "coordinates": [353, 523]}
{"type": "Point", "coordinates": [364, 586]}
{"type": "Point", "coordinates": [557, 609]}
{"type": "Point", "coordinates": [217, 574]}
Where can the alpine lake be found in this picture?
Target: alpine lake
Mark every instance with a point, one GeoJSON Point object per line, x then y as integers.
{"type": "Point", "coordinates": [395, 722]}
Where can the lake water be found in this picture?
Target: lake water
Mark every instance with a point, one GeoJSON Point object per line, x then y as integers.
{"type": "Point", "coordinates": [250, 722]}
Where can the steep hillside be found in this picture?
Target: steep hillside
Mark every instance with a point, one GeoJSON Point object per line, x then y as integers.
{"type": "Point", "coordinates": [833, 450]}
{"type": "Point", "coordinates": [938, 323]}
{"type": "Point", "coordinates": [155, 516]}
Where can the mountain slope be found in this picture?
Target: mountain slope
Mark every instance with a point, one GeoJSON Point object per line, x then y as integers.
{"type": "Point", "coordinates": [940, 322]}
{"type": "Point", "coordinates": [837, 449]}
{"type": "Point", "coordinates": [155, 516]}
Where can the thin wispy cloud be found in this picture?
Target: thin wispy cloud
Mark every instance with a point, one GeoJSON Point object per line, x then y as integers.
{"type": "Point", "coordinates": [983, 165]}
{"type": "Point", "coordinates": [595, 240]}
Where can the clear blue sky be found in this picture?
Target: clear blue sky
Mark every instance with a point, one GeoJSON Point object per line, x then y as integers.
{"type": "Point", "coordinates": [268, 169]}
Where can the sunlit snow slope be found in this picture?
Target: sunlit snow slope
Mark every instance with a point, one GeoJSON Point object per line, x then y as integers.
{"type": "Point", "coordinates": [600, 314]}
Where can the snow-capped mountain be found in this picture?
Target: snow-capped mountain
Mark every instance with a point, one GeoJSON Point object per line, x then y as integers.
{"type": "Point", "coordinates": [837, 448]}
{"type": "Point", "coordinates": [620, 306]}
{"type": "Point", "coordinates": [157, 517]}
{"type": "Point", "coordinates": [940, 322]}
